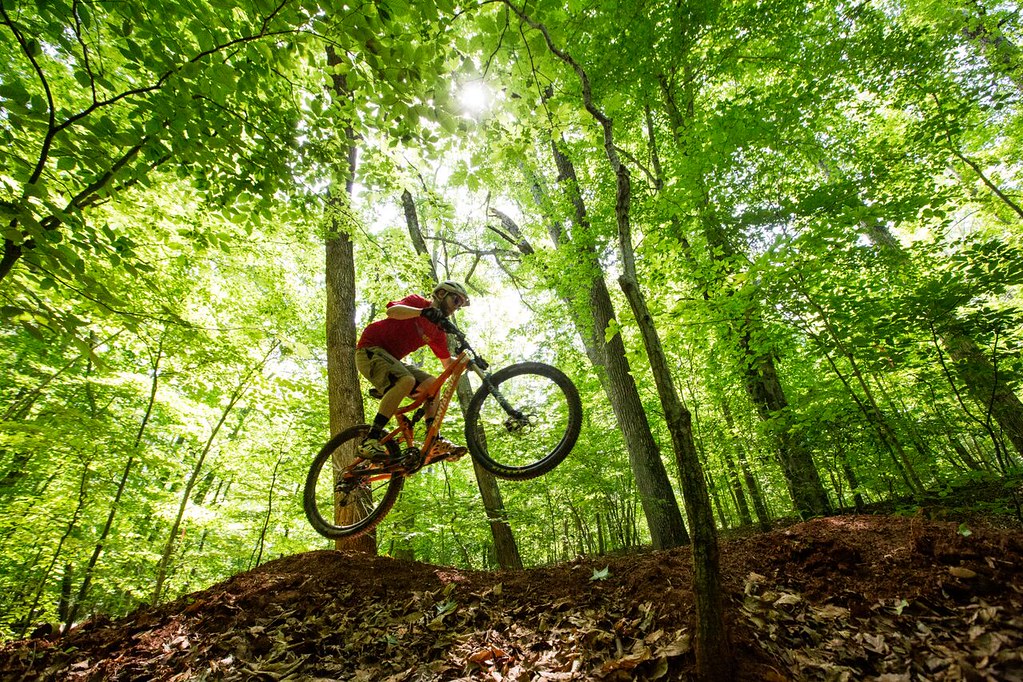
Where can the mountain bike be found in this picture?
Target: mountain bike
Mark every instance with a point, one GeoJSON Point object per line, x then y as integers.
{"type": "Point", "coordinates": [521, 423]}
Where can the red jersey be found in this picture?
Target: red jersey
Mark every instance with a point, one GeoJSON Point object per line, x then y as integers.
{"type": "Point", "coordinates": [401, 337]}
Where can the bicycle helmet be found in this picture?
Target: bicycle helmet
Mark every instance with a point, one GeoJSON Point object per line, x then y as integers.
{"type": "Point", "coordinates": [450, 287]}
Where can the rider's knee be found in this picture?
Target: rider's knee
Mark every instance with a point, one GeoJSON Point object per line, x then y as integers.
{"type": "Point", "coordinates": [405, 384]}
{"type": "Point", "coordinates": [424, 387]}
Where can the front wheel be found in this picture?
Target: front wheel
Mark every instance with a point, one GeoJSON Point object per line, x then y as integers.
{"type": "Point", "coordinates": [525, 422]}
{"type": "Point", "coordinates": [345, 500]}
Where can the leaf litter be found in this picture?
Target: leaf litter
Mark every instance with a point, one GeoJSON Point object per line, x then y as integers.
{"type": "Point", "coordinates": [837, 599]}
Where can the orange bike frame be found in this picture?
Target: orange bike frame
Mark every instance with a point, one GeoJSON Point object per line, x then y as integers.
{"type": "Point", "coordinates": [448, 380]}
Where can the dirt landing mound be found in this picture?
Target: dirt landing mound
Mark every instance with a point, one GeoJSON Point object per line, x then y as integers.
{"type": "Point", "coordinates": [842, 598]}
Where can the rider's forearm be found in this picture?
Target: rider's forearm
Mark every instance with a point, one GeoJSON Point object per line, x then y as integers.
{"type": "Point", "coordinates": [403, 312]}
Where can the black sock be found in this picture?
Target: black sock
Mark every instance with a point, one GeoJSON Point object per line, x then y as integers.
{"type": "Point", "coordinates": [379, 422]}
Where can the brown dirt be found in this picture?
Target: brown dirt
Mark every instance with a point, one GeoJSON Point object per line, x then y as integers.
{"type": "Point", "coordinates": [841, 598]}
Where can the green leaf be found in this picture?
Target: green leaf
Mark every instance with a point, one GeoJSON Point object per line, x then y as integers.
{"type": "Point", "coordinates": [84, 14]}
{"type": "Point", "coordinates": [613, 328]}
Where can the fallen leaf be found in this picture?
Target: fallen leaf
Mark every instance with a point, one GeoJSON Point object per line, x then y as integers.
{"type": "Point", "coordinates": [787, 600]}
{"type": "Point", "coordinates": [489, 654]}
{"type": "Point", "coordinates": [627, 662]}
{"type": "Point", "coordinates": [660, 668]}
{"type": "Point", "coordinates": [682, 645]}
{"type": "Point", "coordinates": [960, 572]}
{"type": "Point", "coordinates": [653, 636]}
{"type": "Point", "coordinates": [832, 611]}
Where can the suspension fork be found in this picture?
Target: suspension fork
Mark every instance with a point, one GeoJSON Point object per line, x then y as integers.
{"type": "Point", "coordinates": [492, 389]}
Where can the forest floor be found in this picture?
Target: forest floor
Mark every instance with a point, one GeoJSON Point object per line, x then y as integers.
{"type": "Point", "coordinates": [935, 595]}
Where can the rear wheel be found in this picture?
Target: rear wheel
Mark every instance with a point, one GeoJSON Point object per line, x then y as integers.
{"type": "Point", "coordinates": [526, 424]}
{"type": "Point", "coordinates": [344, 501]}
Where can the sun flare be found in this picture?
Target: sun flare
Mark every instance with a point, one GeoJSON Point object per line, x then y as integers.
{"type": "Point", "coordinates": [474, 96]}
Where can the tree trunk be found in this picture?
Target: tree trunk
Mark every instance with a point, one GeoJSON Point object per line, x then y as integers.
{"type": "Point", "coordinates": [343, 395]}
{"type": "Point", "coordinates": [260, 544]}
{"type": "Point", "coordinates": [612, 368]}
{"type": "Point", "coordinates": [400, 547]}
{"type": "Point", "coordinates": [755, 494]}
{"type": "Point", "coordinates": [736, 487]}
{"type": "Point", "coordinates": [664, 518]}
{"type": "Point", "coordinates": [712, 659]}
{"type": "Point", "coordinates": [506, 550]}
{"type": "Point", "coordinates": [996, 47]}
{"type": "Point", "coordinates": [850, 477]}
{"type": "Point", "coordinates": [415, 233]}
{"type": "Point", "coordinates": [767, 394]}
{"type": "Point", "coordinates": [984, 384]}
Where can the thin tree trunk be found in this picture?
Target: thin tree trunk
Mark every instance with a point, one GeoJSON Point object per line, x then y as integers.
{"type": "Point", "coordinates": [711, 642]}
{"type": "Point", "coordinates": [400, 547]}
{"type": "Point", "coordinates": [850, 477]}
{"type": "Point", "coordinates": [269, 512]}
{"type": "Point", "coordinates": [715, 496]}
{"type": "Point", "coordinates": [172, 537]}
{"type": "Point", "coordinates": [741, 505]}
{"type": "Point", "coordinates": [83, 591]}
{"type": "Point", "coordinates": [755, 494]}
{"type": "Point", "coordinates": [505, 547]}
{"type": "Point", "coordinates": [60, 545]}
{"type": "Point", "coordinates": [415, 233]}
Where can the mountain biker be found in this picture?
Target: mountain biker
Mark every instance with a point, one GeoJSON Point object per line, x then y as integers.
{"type": "Point", "coordinates": [411, 323]}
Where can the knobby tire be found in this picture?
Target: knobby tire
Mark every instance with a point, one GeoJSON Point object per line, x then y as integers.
{"type": "Point", "coordinates": [319, 493]}
{"type": "Point", "coordinates": [556, 419]}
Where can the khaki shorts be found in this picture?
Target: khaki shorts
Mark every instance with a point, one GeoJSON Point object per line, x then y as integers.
{"type": "Point", "coordinates": [383, 370]}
